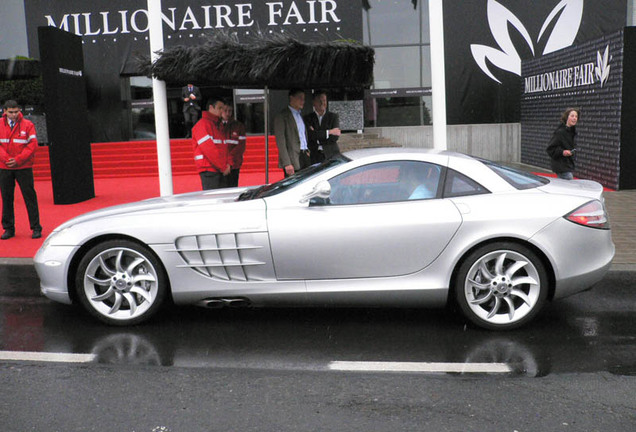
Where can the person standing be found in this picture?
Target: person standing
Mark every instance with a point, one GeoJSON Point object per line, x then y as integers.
{"type": "Point", "coordinates": [235, 132]}
{"type": "Point", "coordinates": [323, 129]}
{"type": "Point", "coordinates": [18, 144]}
{"type": "Point", "coordinates": [211, 155]}
{"type": "Point", "coordinates": [190, 94]}
{"type": "Point", "coordinates": [291, 135]}
{"type": "Point", "coordinates": [562, 146]}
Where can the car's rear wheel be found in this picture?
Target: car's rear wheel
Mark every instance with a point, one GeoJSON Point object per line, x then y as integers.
{"type": "Point", "coordinates": [501, 286]}
{"type": "Point", "coordinates": [121, 282]}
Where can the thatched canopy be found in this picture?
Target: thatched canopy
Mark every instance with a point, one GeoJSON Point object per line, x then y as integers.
{"type": "Point", "coordinates": [13, 69]}
{"type": "Point", "coordinates": [277, 62]}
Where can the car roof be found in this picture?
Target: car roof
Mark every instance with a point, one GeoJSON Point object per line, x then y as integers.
{"type": "Point", "coordinates": [466, 164]}
{"type": "Point", "coordinates": [403, 151]}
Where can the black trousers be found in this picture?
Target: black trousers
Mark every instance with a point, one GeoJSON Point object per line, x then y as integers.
{"type": "Point", "coordinates": [190, 117]}
{"type": "Point", "coordinates": [232, 178]}
{"type": "Point", "coordinates": [212, 180]}
{"type": "Point", "coordinates": [24, 178]}
{"type": "Point", "coordinates": [317, 156]}
{"type": "Point", "coordinates": [304, 160]}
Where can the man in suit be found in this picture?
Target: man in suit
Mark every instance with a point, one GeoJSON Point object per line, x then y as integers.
{"type": "Point", "coordinates": [291, 135]}
{"type": "Point", "coordinates": [323, 129]}
{"type": "Point", "coordinates": [190, 94]}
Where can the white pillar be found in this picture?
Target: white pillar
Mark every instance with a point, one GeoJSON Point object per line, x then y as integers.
{"type": "Point", "coordinates": [438, 75]}
{"type": "Point", "coordinates": [160, 99]}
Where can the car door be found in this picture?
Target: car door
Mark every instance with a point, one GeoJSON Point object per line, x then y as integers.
{"type": "Point", "coordinates": [368, 228]}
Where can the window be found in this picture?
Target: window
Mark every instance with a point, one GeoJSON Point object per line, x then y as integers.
{"type": "Point", "coordinates": [518, 179]}
{"type": "Point", "coordinates": [386, 182]}
{"type": "Point", "coordinates": [137, 94]}
{"type": "Point", "coordinates": [457, 184]}
{"type": "Point", "coordinates": [289, 182]}
{"type": "Point", "coordinates": [398, 67]}
{"type": "Point", "coordinates": [390, 22]}
{"type": "Point", "coordinates": [401, 111]}
{"type": "Point", "coordinates": [398, 30]}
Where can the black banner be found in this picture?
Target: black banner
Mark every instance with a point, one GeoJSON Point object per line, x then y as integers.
{"type": "Point", "coordinates": [66, 116]}
{"type": "Point", "coordinates": [185, 22]}
{"type": "Point", "coordinates": [114, 32]}
{"type": "Point", "coordinates": [485, 41]}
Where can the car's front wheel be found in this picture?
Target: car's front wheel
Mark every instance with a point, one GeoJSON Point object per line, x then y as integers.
{"type": "Point", "coordinates": [501, 286]}
{"type": "Point", "coordinates": [121, 282]}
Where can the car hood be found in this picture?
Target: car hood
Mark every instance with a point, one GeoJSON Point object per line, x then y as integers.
{"type": "Point", "coordinates": [584, 188]}
{"type": "Point", "coordinates": [207, 198]}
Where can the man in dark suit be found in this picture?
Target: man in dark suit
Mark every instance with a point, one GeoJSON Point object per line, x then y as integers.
{"type": "Point", "coordinates": [291, 135]}
{"type": "Point", "coordinates": [190, 95]}
{"type": "Point", "coordinates": [323, 129]}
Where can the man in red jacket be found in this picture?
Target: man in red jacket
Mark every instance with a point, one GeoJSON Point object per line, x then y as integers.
{"type": "Point", "coordinates": [211, 154]}
{"type": "Point", "coordinates": [18, 143]}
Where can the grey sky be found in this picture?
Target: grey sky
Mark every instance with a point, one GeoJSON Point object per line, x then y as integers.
{"type": "Point", "coordinates": [13, 39]}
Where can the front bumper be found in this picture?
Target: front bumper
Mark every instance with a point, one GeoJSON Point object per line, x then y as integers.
{"type": "Point", "coordinates": [51, 264]}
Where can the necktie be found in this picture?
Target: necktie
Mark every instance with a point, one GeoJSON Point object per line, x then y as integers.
{"type": "Point", "coordinates": [11, 124]}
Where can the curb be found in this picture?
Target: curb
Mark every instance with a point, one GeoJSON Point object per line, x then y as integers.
{"type": "Point", "coordinates": [16, 261]}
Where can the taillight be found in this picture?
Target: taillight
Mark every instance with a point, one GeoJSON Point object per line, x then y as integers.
{"type": "Point", "coordinates": [590, 215]}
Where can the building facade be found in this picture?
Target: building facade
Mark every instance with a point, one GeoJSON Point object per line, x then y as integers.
{"type": "Point", "coordinates": [485, 42]}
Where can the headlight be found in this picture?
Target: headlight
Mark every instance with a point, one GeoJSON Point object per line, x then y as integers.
{"type": "Point", "coordinates": [57, 238]}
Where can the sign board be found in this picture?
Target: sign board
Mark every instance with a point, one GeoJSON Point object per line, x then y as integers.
{"type": "Point", "coordinates": [596, 77]}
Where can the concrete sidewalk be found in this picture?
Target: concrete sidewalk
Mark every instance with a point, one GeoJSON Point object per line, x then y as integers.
{"type": "Point", "coordinates": [621, 206]}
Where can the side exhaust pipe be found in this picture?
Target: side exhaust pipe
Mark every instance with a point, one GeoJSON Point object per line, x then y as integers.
{"type": "Point", "coordinates": [218, 303]}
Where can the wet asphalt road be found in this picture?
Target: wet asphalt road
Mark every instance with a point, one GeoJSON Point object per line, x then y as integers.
{"type": "Point", "coordinates": [192, 369]}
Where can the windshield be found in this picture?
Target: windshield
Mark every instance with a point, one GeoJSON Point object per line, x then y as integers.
{"type": "Point", "coordinates": [289, 182]}
{"type": "Point", "coordinates": [517, 178]}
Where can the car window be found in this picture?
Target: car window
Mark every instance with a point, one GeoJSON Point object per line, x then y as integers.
{"type": "Point", "coordinates": [457, 184]}
{"type": "Point", "coordinates": [386, 182]}
{"type": "Point", "coordinates": [518, 179]}
{"type": "Point", "coordinates": [288, 182]}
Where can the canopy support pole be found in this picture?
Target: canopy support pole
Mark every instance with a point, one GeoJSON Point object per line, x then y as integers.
{"type": "Point", "coordinates": [160, 98]}
{"type": "Point", "coordinates": [438, 74]}
{"type": "Point", "coordinates": [266, 112]}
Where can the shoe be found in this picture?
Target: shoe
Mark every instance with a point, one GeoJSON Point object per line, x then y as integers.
{"type": "Point", "coordinates": [37, 234]}
{"type": "Point", "coordinates": [7, 235]}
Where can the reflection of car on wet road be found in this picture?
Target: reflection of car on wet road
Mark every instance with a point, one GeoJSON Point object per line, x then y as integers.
{"type": "Point", "coordinates": [369, 228]}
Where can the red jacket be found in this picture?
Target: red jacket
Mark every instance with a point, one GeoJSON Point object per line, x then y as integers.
{"type": "Point", "coordinates": [235, 131]}
{"type": "Point", "coordinates": [210, 149]}
{"type": "Point", "coordinates": [19, 143]}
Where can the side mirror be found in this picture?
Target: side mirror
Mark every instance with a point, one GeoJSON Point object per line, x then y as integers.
{"type": "Point", "coordinates": [321, 190]}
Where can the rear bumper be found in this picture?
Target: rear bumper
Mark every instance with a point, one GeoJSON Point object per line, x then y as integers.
{"type": "Point", "coordinates": [580, 256]}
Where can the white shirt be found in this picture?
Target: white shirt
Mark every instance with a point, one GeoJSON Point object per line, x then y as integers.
{"type": "Point", "coordinates": [300, 123]}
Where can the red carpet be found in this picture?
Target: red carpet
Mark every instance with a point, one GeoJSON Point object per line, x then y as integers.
{"type": "Point", "coordinates": [119, 180]}
{"type": "Point", "coordinates": [108, 192]}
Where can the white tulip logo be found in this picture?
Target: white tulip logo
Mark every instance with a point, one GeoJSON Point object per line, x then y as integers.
{"type": "Point", "coordinates": [566, 16]}
{"type": "Point", "coordinates": [602, 68]}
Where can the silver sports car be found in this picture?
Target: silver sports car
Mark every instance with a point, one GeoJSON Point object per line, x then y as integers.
{"type": "Point", "coordinates": [374, 227]}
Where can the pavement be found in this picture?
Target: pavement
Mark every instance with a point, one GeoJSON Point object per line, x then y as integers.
{"type": "Point", "coordinates": [621, 207]}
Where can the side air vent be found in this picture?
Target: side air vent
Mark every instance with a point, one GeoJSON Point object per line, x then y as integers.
{"type": "Point", "coordinates": [228, 257]}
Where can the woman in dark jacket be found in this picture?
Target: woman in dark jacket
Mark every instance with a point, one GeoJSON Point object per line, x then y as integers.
{"type": "Point", "coordinates": [562, 146]}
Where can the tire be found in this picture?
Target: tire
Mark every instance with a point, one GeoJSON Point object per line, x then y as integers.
{"type": "Point", "coordinates": [120, 283]}
{"type": "Point", "coordinates": [501, 286]}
